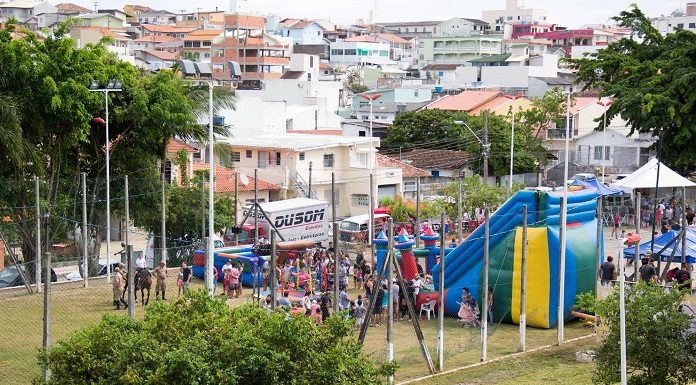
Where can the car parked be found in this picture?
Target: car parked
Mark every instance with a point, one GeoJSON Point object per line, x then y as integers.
{"type": "Point", "coordinates": [10, 276]}
{"type": "Point", "coordinates": [583, 177]}
{"type": "Point", "coordinates": [618, 178]}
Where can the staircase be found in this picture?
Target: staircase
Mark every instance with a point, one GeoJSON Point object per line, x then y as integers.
{"type": "Point", "coordinates": [301, 186]}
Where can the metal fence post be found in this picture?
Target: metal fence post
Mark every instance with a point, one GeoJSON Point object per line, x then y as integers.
{"type": "Point", "coordinates": [390, 298]}
{"type": "Point", "coordinates": [37, 266]}
{"type": "Point", "coordinates": [484, 303]}
{"type": "Point", "coordinates": [441, 300]}
{"type": "Point", "coordinates": [523, 284]}
{"type": "Point", "coordinates": [131, 282]}
{"type": "Point", "coordinates": [85, 258]}
{"type": "Point", "coordinates": [47, 312]}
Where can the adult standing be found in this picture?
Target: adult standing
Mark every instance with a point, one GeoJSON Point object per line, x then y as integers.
{"type": "Point", "coordinates": [683, 277]}
{"type": "Point", "coordinates": [160, 273]}
{"type": "Point", "coordinates": [647, 271]}
{"type": "Point", "coordinates": [344, 298]}
{"type": "Point", "coordinates": [234, 281]}
{"type": "Point", "coordinates": [117, 285]}
{"type": "Point", "coordinates": [607, 271]}
{"type": "Point", "coordinates": [226, 274]}
{"type": "Point", "coordinates": [186, 276]}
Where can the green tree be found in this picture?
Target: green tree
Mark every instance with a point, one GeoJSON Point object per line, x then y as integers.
{"type": "Point", "coordinates": [659, 348]}
{"type": "Point", "coordinates": [652, 80]}
{"type": "Point", "coordinates": [426, 129]}
{"type": "Point", "coordinates": [45, 97]}
{"type": "Point", "coordinates": [200, 340]}
{"type": "Point", "coordinates": [475, 194]}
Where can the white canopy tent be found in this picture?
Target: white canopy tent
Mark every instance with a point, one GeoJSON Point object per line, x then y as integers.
{"type": "Point", "coordinates": [644, 178]}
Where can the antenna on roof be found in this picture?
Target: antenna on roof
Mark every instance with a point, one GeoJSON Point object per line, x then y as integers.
{"type": "Point", "coordinates": [96, 4]}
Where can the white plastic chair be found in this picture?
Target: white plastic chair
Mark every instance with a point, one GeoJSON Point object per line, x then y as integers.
{"type": "Point", "coordinates": [428, 308]}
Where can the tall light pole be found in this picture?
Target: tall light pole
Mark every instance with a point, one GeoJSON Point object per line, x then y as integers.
{"type": "Point", "coordinates": [370, 161]}
{"type": "Point", "coordinates": [203, 74]}
{"type": "Point", "coordinates": [113, 85]}
{"type": "Point", "coordinates": [604, 103]}
{"type": "Point", "coordinates": [512, 139]}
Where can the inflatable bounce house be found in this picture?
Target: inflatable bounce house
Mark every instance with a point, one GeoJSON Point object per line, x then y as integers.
{"type": "Point", "coordinates": [464, 264]}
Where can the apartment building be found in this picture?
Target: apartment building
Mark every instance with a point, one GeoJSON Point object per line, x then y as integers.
{"type": "Point", "coordinates": [198, 46]}
{"type": "Point", "coordinates": [457, 49]}
{"type": "Point", "coordinates": [259, 55]}
{"type": "Point", "coordinates": [514, 13]}
{"type": "Point", "coordinates": [360, 50]}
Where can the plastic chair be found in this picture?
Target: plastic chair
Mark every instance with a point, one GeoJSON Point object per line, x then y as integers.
{"type": "Point", "coordinates": [428, 308]}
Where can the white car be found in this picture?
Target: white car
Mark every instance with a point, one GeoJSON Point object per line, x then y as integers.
{"type": "Point", "coordinates": [583, 177]}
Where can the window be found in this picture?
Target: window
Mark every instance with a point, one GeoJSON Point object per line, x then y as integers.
{"type": "Point", "coordinates": [409, 186]}
{"type": "Point", "coordinates": [206, 55]}
{"type": "Point", "coordinates": [350, 52]}
{"type": "Point", "coordinates": [360, 200]}
{"type": "Point", "coordinates": [435, 172]}
{"type": "Point", "coordinates": [197, 154]}
{"type": "Point", "coordinates": [692, 25]}
{"type": "Point", "coordinates": [421, 45]}
{"type": "Point", "coordinates": [328, 160]}
{"type": "Point", "coordinates": [362, 133]}
{"type": "Point", "coordinates": [249, 153]}
{"type": "Point", "coordinates": [311, 62]}
{"type": "Point", "coordinates": [302, 156]}
{"type": "Point", "coordinates": [363, 157]}
{"type": "Point", "coordinates": [168, 171]}
{"type": "Point", "coordinates": [680, 25]}
{"type": "Point", "coordinates": [384, 53]}
{"type": "Point", "coordinates": [309, 76]}
{"type": "Point", "coordinates": [277, 159]}
{"type": "Point", "coordinates": [406, 29]}
{"type": "Point", "coordinates": [363, 52]}
{"type": "Point", "coordinates": [236, 156]}
{"type": "Point", "coordinates": [207, 44]}
{"type": "Point", "coordinates": [366, 117]}
{"type": "Point", "coordinates": [509, 17]}
{"type": "Point", "coordinates": [338, 52]}
{"type": "Point", "coordinates": [598, 153]}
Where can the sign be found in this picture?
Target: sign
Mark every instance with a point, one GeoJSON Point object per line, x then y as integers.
{"type": "Point", "coordinates": [250, 85]}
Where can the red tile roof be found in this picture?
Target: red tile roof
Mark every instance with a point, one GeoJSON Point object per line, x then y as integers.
{"type": "Point", "coordinates": [175, 145]}
{"type": "Point", "coordinates": [155, 39]}
{"type": "Point", "coordinates": [70, 7]}
{"type": "Point", "coordinates": [407, 171]}
{"type": "Point", "coordinates": [168, 28]}
{"type": "Point", "coordinates": [390, 37]}
{"type": "Point", "coordinates": [581, 102]}
{"type": "Point", "coordinates": [162, 55]}
{"type": "Point", "coordinates": [224, 180]}
{"type": "Point", "coordinates": [465, 101]}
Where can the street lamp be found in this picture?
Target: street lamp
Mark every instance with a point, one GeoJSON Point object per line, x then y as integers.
{"type": "Point", "coordinates": [113, 85]}
{"type": "Point", "coordinates": [512, 139]}
{"type": "Point", "coordinates": [371, 99]}
{"type": "Point", "coordinates": [604, 103]}
{"type": "Point", "coordinates": [203, 74]}
{"type": "Point", "coordinates": [486, 147]}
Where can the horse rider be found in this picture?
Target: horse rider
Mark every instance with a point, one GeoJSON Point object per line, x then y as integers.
{"type": "Point", "coordinates": [161, 275]}
{"type": "Point", "coordinates": [117, 284]}
{"type": "Point", "coordinates": [140, 264]}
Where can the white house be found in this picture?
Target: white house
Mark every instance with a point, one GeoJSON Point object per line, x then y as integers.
{"type": "Point", "coordinates": [303, 32]}
{"type": "Point", "coordinates": [621, 155]}
{"type": "Point", "coordinates": [297, 101]}
{"type": "Point", "coordinates": [286, 160]}
{"type": "Point", "coordinates": [153, 60]}
{"type": "Point", "coordinates": [157, 17]}
{"type": "Point", "coordinates": [357, 51]}
{"type": "Point", "coordinates": [513, 13]}
{"type": "Point", "coordinates": [23, 10]}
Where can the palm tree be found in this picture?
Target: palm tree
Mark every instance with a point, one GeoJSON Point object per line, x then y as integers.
{"type": "Point", "coordinates": [14, 149]}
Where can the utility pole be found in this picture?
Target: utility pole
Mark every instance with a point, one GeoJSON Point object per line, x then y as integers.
{"type": "Point", "coordinates": [460, 233]}
{"type": "Point", "coordinates": [486, 146]}
{"type": "Point", "coordinates": [561, 272]}
{"type": "Point", "coordinates": [390, 299]}
{"type": "Point", "coordinates": [309, 194]}
{"type": "Point", "coordinates": [85, 258]}
{"type": "Point", "coordinates": [371, 235]}
{"type": "Point", "coordinates": [47, 308]}
{"type": "Point", "coordinates": [202, 209]}
{"type": "Point", "coordinates": [236, 196]}
{"type": "Point", "coordinates": [637, 254]}
{"type": "Point", "coordinates": [416, 231]}
{"type": "Point", "coordinates": [441, 300]}
{"type": "Point", "coordinates": [125, 182]}
{"type": "Point", "coordinates": [163, 226]}
{"type": "Point", "coordinates": [256, 208]}
{"type": "Point", "coordinates": [274, 291]}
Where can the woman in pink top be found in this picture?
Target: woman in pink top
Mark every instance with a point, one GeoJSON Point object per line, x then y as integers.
{"type": "Point", "coordinates": [234, 281]}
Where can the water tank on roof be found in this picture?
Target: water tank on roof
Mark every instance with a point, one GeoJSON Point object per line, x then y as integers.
{"type": "Point", "coordinates": [438, 89]}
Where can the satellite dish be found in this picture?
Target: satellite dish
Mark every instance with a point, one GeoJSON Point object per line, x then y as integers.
{"type": "Point", "coordinates": [244, 179]}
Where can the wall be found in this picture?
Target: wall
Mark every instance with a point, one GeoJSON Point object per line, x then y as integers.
{"type": "Point", "coordinates": [381, 57]}
{"type": "Point", "coordinates": [509, 77]}
{"type": "Point", "coordinates": [311, 34]}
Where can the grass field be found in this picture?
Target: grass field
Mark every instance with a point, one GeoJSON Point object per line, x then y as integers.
{"type": "Point", "coordinates": [74, 308]}
{"type": "Point", "coordinates": [550, 366]}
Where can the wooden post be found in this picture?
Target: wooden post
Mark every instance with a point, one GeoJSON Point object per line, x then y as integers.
{"type": "Point", "coordinates": [416, 231]}
{"type": "Point", "coordinates": [273, 278]}
{"type": "Point", "coordinates": [523, 285]}
{"type": "Point", "coordinates": [85, 258]}
{"type": "Point", "coordinates": [390, 299]}
{"type": "Point", "coordinates": [484, 288]}
{"type": "Point", "coordinates": [441, 300]}
{"type": "Point", "coordinates": [636, 256]}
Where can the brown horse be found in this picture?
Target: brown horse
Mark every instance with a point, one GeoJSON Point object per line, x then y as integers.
{"type": "Point", "coordinates": [143, 281]}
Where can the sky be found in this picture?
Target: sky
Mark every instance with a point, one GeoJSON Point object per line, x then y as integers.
{"type": "Point", "coordinates": [563, 12]}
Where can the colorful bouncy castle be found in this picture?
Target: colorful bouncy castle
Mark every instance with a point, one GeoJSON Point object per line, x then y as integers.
{"type": "Point", "coordinates": [463, 265]}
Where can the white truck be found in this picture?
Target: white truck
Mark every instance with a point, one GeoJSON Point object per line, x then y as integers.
{"type": "Point", "coordinates": [295, 219]}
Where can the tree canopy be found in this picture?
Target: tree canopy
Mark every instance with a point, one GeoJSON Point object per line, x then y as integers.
{"type": "Point", "coordinates": [200, 340]}
{"type": "Point", "coordinates": [659, 347]}
{"type": "Point", "coordinates": [652, 79]}
{"type": "Point", "coordinates": [438, 129]}
{"type": "Point", "coordinates": [47, 129]}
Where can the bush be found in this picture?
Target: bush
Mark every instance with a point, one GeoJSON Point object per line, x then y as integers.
{"type": "Point", "coordinates": [659, 348]}
{"type": "Point", "coordinates": [200, 340]}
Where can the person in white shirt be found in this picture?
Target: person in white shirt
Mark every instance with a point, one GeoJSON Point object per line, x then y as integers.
{"type": "Point", "coordinates": [416, 284]}
{"type": "Point", "coordinates": [140, 262]}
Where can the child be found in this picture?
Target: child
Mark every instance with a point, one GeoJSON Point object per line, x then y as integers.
{"type": "Point", "coordinates": [351, 310]}
{"type": "Point", "coordinates": [180, 281]}
{"type": "Point", "coordinates": [357, 277]}
{"type": "Point", "coordinates": [359, 312]}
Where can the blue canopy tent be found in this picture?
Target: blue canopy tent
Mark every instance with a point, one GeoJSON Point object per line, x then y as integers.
{"type": "Point", "coordinates": [602, 189]}
{"type": "Point", "coordinates": [664, 240]}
